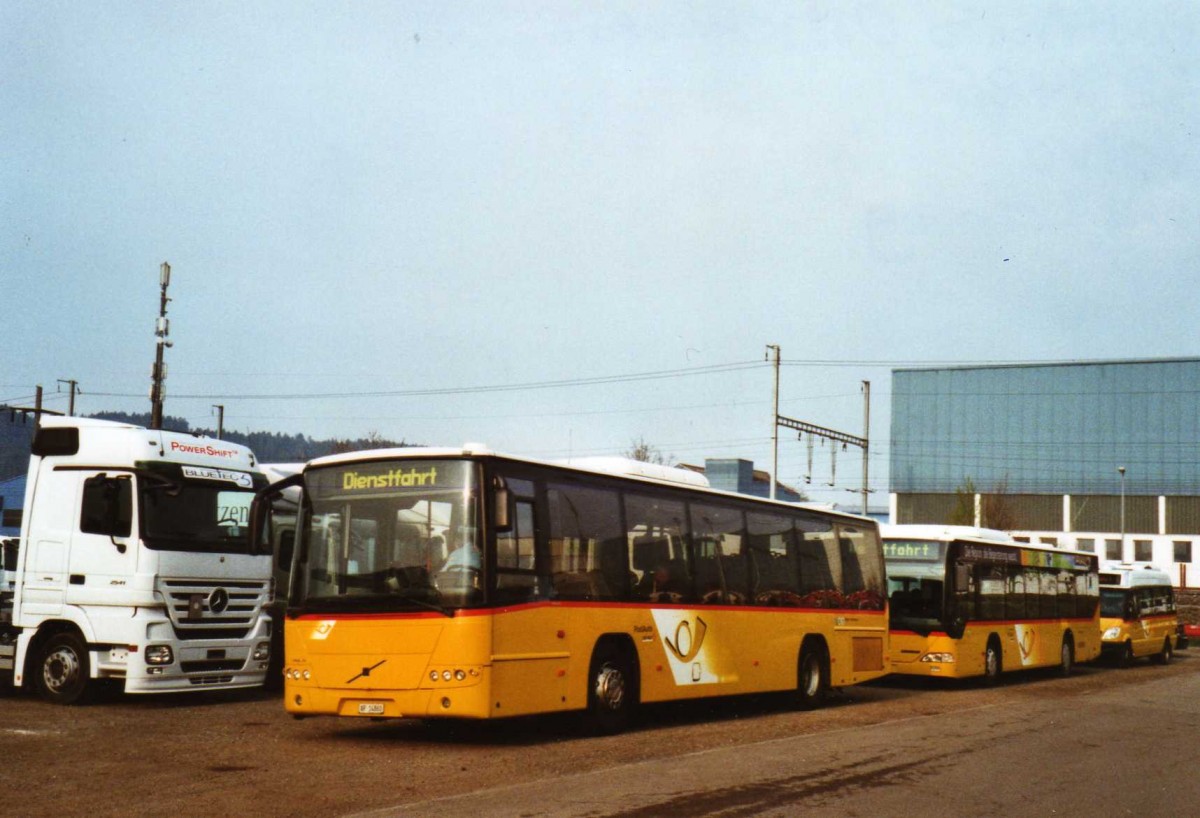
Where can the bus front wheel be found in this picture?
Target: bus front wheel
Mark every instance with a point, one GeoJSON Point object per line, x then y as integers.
{"type": "Point", "coordinates": [813, 681]}
{"type": "Point", "coordinates": [1126, 657]}
{"type": "Point", "coordinates": [611, 690]}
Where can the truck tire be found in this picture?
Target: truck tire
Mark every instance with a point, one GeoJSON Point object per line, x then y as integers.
{"type": "Point", "coordinates": [62, 671]}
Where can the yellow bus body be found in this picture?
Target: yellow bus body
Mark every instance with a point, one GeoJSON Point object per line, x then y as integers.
{"type": "Point", "coordinates": [535, 658]}
{"type": "Point", "coordinates": [1023, 645]}
{"type": "Point", "coordinates": [1144, 637]}
{"type": "Point", "coordinates": [1148, 624]}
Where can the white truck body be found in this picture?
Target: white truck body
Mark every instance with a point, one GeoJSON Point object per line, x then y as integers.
{"type": "Point", "coordinates": [135, 563]}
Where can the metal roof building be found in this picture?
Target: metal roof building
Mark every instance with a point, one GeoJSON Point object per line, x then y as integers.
{"type": "Point", "coordinates": [1045, 444]}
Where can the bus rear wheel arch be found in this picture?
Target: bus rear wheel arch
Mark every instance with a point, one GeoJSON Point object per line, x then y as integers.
{"type": "Point", "coordinates": [612, 694]}
{"type": "Point", "coordinates": [1164, 656]}
{"type": "Point", "coordinates": [812, 674]}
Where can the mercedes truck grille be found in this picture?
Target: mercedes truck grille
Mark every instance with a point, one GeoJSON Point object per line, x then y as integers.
{"type": "Point", "coordinates": [214, 609]}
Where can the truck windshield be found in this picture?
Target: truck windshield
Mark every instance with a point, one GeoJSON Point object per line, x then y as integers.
{"type": "Point", "coordinates": [397, 535]}
{"type": "Point", "coordinates": [196, 509]}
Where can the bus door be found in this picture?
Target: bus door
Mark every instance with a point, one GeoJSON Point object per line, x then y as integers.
{"type": "Point", "coordinates": [529, 651]}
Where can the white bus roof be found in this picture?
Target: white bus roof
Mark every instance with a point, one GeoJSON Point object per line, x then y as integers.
{"type": "Point", "coordinates": [1132, 575]}
{"type": "Point", "coordinates": [891, 531]}
{"type": "Point", "coordinates": [617, 466]}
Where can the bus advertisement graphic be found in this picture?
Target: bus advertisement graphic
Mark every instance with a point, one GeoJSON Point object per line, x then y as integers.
{"type": "Point", "coordinates": [690, 648]}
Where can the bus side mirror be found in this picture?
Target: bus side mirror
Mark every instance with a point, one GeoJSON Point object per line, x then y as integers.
{"type": "Point", "coordinates": [500, 504]}
{"type": "Point", "coordinates": [260, 512]}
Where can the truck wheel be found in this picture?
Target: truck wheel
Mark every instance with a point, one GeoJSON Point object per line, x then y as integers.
{"type": "Point", "coordinates": [62, 672]}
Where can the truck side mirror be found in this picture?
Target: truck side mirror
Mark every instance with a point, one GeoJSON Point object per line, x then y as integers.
{"type": "Point", "coordinates": [107, 507]}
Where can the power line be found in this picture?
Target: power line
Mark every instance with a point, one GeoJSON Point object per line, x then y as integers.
{"type": "Point", "coordinates": [468, 390]}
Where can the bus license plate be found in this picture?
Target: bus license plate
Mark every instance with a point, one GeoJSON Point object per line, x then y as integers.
{"type": "Point", "coordinates": [370, 709]}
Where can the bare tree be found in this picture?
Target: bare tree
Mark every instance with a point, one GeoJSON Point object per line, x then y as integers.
{"type": "Point", "coordinates": [964, 504]}
{"type": "Point", "coordinates": [997, 510]}
{"type": "Point", "coordinates": [643, 451]}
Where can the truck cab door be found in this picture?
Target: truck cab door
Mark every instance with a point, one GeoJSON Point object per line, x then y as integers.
{"type": "Point", "coordinates": [102, 557]}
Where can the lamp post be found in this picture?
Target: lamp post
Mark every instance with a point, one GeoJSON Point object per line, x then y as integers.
{"type": "Point", "coordinates": [1121, 471]}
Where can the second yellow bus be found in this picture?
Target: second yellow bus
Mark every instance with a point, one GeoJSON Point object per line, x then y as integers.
{"type": "Point", "coordinates": [971, 602]}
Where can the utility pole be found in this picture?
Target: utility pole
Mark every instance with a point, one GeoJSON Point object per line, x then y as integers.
{"type": "Point", "coordinates": [1121, 470]}
{"type": "Point", "coordinates": [74, 388]}
{"type": "Point", "coordinates": [866, 440]}
{"type": "Point", "coordinates": [220, 407]}
{"type": "Point", "coordinates": [37, 408]}
{"type": "Point", "coordinates": [775, 423]}
{"type": "Point", "coordinates": [162, 328]}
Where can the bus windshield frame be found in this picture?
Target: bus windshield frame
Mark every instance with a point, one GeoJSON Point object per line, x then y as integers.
{"type": "Point", "coordinates": [389, 536]}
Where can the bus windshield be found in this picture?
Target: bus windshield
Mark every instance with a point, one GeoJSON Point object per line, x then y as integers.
{"type": "Point", "coordinates": [195, 508]}
{"type": "Point", "coordinates": [916, 584]}
{"type": "Point", "coordinates": [1115, 603]}
{"type": "Point", "coordinates": [393, 535]}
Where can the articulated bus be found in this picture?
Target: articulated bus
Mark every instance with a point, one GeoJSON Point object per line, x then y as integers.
{"type": "Point", "coordinates": [1137, 613]}
{"type": "Point", "coordinates": [973, 602]}
{"type": "Point", "coordinates": [458, 583]}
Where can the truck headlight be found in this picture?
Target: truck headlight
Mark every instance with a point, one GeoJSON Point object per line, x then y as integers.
{"type": "Point", "coordinates": [262, 651]}
{"type": "Point", "coordinates": [159, 655]}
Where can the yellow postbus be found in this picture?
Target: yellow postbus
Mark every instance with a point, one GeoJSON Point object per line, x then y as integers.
{"type": "Point", "coordinates": [972, 602]}
{"type": "Point", "coordinates": [460, 583]}
{"type": "Point", "coordinates": [1137, 613]}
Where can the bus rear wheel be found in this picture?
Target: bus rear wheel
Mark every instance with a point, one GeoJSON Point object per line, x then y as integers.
{"type": "Point", "coordinates": [993, 663]}
{"type": "Point", "coordinates": [813, 678]}
{"type": "Point", "coordinates": [1066, 662]}
{"type": "Point", "coordinates": [1164, 656]}
{"type": "Point", "coordinates": [62, 672]}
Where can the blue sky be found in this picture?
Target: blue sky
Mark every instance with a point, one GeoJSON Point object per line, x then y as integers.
{"type": "Point", "coordinates": [362, 198]}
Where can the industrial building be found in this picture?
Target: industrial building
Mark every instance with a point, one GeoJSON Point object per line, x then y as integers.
{"type": "Point", "coordinates": [1103, 456]}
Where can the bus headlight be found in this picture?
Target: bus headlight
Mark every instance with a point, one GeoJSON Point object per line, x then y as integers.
{"type": "Point", "coordinates": [159, 655]}
{"type": "Point", "coordinates": [943, 658]}
{"type": "Point", "coordinates": [1113, 632]}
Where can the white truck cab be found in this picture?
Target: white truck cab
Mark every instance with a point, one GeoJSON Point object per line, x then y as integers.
{"type": "Point", "coordinates": [135, 564]}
